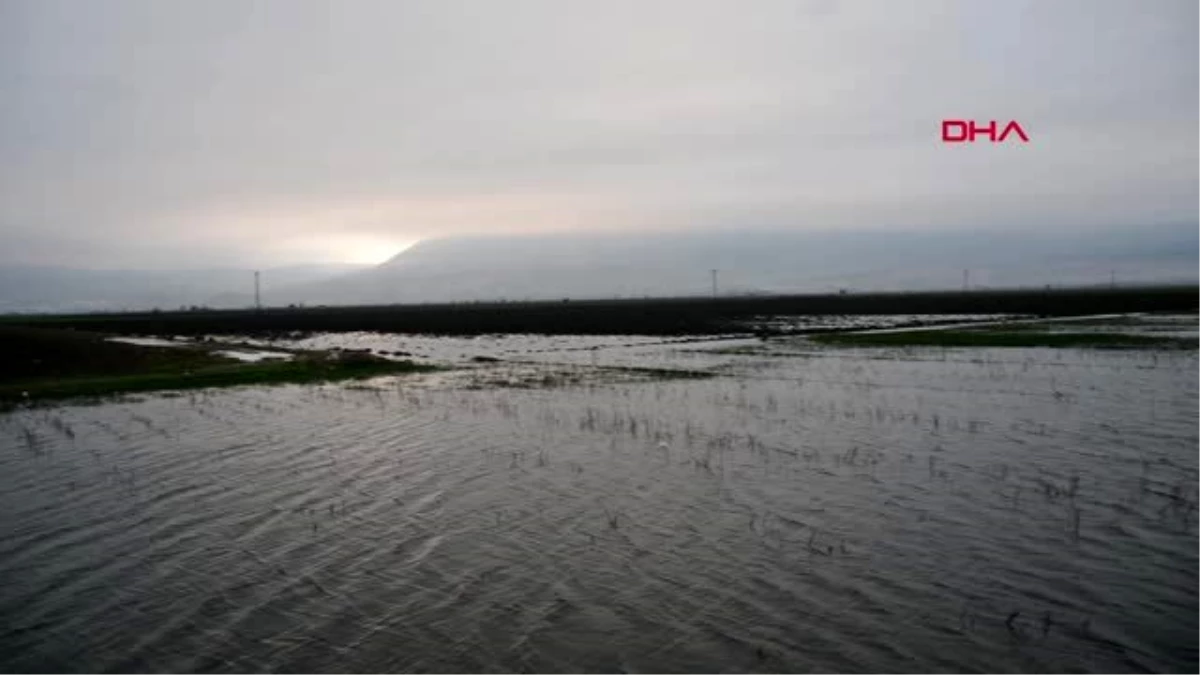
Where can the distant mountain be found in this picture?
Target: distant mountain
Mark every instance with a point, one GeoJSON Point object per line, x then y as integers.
{"type": "Point", "coordinates": [59, 289]}
{"type": "Point", "coordinates": [681, 264]}
{"type": "Point", "coordinates": [582, 266]}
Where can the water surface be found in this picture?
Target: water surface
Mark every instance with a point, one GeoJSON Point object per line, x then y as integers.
{"type": "Point", "coordinates": [807, 509]}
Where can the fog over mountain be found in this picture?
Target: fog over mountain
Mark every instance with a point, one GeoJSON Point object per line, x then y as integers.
{"type": "Point", "coordinates": [657, 264]}
{"type": "Point", "coordinates": [599, 265]}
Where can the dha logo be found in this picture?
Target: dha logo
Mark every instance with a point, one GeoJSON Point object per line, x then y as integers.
{"type": "Point", "coordinates": [960, 131]}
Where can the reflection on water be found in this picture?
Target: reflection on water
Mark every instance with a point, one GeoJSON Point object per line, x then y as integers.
{"type": "Point", "coordinates": [993, 510]}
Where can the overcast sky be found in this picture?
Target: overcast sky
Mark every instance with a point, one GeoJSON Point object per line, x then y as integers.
{"type": "Point", "coordinates": [152, 134]}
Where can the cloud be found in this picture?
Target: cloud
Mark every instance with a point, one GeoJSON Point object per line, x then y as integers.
{"type": "Point", "coordinates": [147, 132]}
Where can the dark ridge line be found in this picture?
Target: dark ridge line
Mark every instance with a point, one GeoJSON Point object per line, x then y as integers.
{"type": "Point", "coordinates": [661, 316]}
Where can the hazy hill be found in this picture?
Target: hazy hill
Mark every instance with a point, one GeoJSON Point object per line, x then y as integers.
{"type": "Point", "coordinates": [582, 266]}
{"type": "Point", "coordinates": [641, 264]}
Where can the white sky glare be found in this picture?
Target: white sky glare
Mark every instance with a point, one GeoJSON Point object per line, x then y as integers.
{"type": "Point", "coordinates": [144, 134]}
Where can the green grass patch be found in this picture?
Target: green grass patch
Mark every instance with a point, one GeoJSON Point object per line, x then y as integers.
{"type": "Point", "coordinates": [47, 353]}
{"type": "Point", "coordinates": [42, 364]}
{"type": "Point", "coordinates": [1002, 338]}
{"type": "Point", "coordinates": [304, 370]}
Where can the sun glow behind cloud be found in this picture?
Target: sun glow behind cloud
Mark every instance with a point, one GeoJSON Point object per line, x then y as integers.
{"type": "Point", "coordinates": [366, 250]}
{"type": "Point", "coordinates": [360, 249]}
{"type": "Point", "coordinates": [370, 230]}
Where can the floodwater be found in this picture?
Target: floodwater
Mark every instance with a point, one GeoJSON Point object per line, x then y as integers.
{"type": "Point", "coordinates": [805, 509]}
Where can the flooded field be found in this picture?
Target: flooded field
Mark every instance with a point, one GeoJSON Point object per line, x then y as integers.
{"type": "Point", "coordinates": [573, 507]}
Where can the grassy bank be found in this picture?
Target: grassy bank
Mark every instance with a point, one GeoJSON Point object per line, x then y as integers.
{"type": "Point", "coordinates": [38, 364]}
{"type": "Point", "coordinates": [1002, 338]}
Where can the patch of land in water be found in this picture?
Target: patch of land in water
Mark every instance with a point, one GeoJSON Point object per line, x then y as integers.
{"type": "Point", "coordinates": [1022, 337]}
{"type": "Point", "coordinates": [44, 364]}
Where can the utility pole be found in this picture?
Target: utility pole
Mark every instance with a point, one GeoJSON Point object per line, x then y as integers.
{"type": "Point", "coordinates": [714, 283]}
{"type": "Point", "coordinates": [257, 297]}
